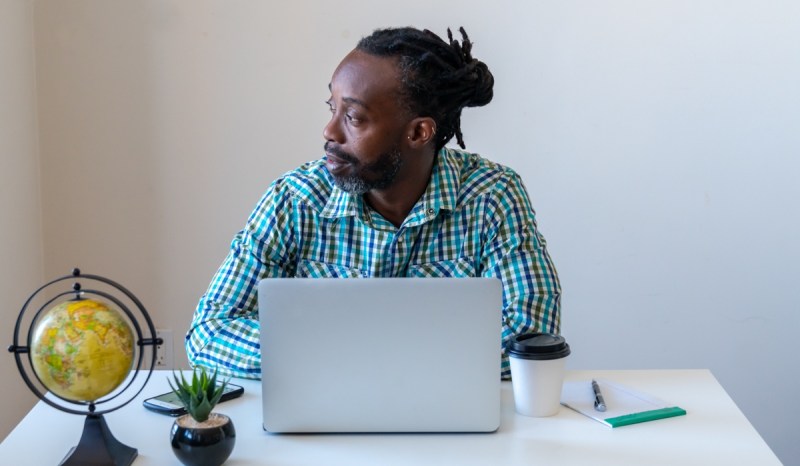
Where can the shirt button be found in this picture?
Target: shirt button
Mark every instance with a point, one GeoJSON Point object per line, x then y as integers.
{"type": "Point", "coordinates": [430, 211]}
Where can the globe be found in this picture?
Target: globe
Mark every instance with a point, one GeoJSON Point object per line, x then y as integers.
{"type": "Point", "coordinates": [82, 349]}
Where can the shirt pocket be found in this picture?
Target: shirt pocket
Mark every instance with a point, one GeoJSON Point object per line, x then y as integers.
{"type": "Point", "coordinates": [458, 268]}
{"type": "Point", "coordinates": [314, 269]}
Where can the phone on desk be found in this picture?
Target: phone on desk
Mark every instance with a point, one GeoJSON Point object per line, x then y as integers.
{"type": "Point", "coordinates": [170, 404]}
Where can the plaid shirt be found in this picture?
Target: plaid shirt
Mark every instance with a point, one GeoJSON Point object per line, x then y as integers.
{"type": "Point", "coordinates": [474, 219]}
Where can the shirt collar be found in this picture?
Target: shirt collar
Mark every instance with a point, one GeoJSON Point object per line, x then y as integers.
{"type": "Point", "coordinates": [441, 193]}
{"type": "Point", "coordinates": [341, 204]}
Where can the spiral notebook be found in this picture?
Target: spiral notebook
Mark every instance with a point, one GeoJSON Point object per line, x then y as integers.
{"type": "Point", "coordinates": [624, 405]}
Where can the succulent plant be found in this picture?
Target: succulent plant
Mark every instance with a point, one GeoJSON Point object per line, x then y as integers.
{"type": "Point", "coordinates": [201, 394]}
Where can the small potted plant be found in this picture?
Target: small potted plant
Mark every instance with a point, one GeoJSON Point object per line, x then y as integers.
{"type": "Point", "coordinates": [201, 437]}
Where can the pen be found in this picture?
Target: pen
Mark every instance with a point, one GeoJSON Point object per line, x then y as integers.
{"type": "Point", "coordinates": [599, 402]}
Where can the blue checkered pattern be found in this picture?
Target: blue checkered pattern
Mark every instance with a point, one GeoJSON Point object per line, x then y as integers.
{"type": "Point", "coordinates": [475, 219]}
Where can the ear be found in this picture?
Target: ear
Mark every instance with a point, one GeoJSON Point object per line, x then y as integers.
{"type": "Point", "coordinates": [421, 131]}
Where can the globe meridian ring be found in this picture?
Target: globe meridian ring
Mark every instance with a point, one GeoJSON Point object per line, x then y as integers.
{"type": "Point", "coordinates": [116, 296]}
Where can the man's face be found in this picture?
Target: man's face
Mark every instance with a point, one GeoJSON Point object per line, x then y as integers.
{"type": "Point", "coordinates": [363, 137]}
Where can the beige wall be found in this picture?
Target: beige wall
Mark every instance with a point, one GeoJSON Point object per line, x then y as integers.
{"type": "Point", "coordinates": [20, 210]}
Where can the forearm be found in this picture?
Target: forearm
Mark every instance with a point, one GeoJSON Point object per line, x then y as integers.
{"type": "Point", "coordinates": [230, 344]}
{"type": "Point", "coordinates": [531, 292]}
{"type": "Point", "coordinates": [531, 299]}
{"type": "Point", "coordinates": [526, 313]}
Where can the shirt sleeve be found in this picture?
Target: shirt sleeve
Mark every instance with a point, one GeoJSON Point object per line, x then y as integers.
{"type": "Point", "coordinates": [224, 332]}
{"type": "Point", "coordinates": [516, 253]}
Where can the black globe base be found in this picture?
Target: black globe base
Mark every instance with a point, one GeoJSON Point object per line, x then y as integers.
{"type": "Point", "coordinates": [99, 447]}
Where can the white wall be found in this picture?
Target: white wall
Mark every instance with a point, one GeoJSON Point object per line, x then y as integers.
{"type": "Point", "coordinates": [20, 210]}
{"type": "Point", "coordinates": [658, 141]}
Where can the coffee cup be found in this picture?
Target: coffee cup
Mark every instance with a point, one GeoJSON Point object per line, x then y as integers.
{"type": "Point", "coordinates": [537, 372]}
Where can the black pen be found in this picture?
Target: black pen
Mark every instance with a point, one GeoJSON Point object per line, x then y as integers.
{"type": "Point", "coordinates": [599, 402]}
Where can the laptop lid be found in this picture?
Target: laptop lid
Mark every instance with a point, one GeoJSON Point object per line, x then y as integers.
{"type": "Point", "coordinates": [380, 354]}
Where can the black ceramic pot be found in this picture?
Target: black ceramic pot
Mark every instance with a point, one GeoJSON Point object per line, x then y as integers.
{"type": "Point", "coordinates": [203, 446]}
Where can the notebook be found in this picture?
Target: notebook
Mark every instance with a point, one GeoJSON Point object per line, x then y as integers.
{"type": "Point", "coordinates": [380, 354]}
{"type": "Point", "coordinates": [624, 405]}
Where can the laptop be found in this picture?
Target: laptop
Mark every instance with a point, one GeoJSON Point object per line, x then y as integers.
{"type": "Point", "coordinates": [380, 354]}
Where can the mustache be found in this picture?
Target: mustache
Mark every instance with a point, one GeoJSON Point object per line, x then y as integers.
{"type": "Point", "coordinates": [338, 152]}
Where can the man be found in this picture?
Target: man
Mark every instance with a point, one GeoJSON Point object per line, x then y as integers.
{"type": "Point", "coordinates": [387, 200]}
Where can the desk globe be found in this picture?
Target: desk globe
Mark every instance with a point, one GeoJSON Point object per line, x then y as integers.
{"type": "Point", "coordinates": [81, 347]}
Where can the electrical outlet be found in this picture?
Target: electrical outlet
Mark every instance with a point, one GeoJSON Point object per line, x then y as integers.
{"type": "Point", "coordinates": [164, 356]}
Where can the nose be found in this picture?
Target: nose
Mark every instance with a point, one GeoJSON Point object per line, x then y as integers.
{"type": "Point", "coordinates": [333, 131]}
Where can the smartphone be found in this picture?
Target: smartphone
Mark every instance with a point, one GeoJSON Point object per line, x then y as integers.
{"type": "Point", "coordinates": [169, 404]}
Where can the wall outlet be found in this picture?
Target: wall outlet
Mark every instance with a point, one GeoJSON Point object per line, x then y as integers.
{"type": "Point", "coordinates": [164, 354]}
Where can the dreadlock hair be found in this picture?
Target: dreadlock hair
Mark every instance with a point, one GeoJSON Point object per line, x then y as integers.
{"type": "Point", "coordinates": [438, 79]}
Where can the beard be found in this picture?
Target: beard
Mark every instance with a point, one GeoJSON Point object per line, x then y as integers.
{"type": "Point", "coordinates": [366, 177]}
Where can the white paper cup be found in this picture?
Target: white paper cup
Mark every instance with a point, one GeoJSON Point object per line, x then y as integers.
{"type": "Point", "coordinates": [537, 373]}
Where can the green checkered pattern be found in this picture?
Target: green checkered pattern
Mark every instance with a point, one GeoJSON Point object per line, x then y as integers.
{"type": "Point", "coordinates": [475, 219]}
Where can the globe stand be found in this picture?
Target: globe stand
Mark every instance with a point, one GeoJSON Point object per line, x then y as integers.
{"type": "Point", "coordinates": [98, 446]}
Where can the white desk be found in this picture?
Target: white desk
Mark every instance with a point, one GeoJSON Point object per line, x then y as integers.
{"type": "Point", "coordinates": [713, 432]}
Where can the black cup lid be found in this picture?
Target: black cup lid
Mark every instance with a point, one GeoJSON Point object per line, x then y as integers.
{"type": "Point", "coordinates": [540, 346]}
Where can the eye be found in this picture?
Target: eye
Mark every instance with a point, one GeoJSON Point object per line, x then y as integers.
{"type": "Point", "coordinates": [354, 120]}
{"type": "Point", "coordinates": [349, 114]}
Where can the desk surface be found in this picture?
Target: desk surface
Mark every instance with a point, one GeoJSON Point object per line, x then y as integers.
{"type": "Point", "coordinates": [713, 432]}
